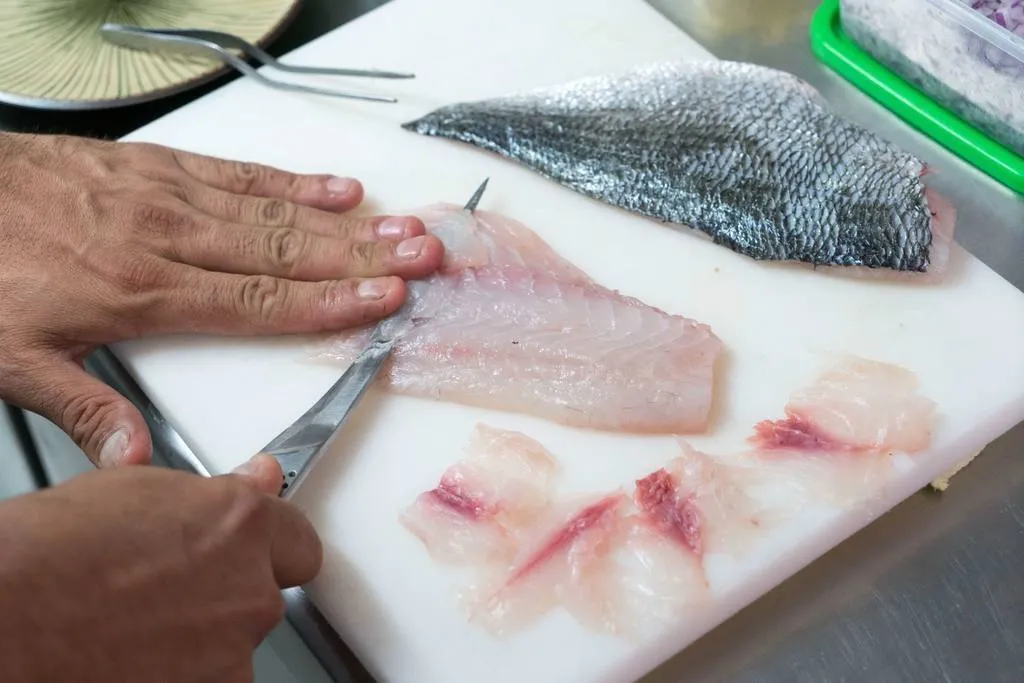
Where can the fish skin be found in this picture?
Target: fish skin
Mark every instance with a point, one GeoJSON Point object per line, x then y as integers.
{"type": "Point", "coordinates": [749, 156]}
{"type": "Point", "coordinates": [507, 324]}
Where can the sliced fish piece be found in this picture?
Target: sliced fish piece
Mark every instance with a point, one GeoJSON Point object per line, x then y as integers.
{"type": "Point", "coordinates": [749, 156]}
{"type": "Point", "coordinates": [564, 562]}
{"type": "Point", "coordinates": [701, 505]}
{"type": "Point", "coordinates": [484, 503]}
{"type": "Point", "coordinates": [841, 432]}
{"type": "Point", "coordinates": [856, 405]}
{"type": "Point", "coordinates": [510, 325]}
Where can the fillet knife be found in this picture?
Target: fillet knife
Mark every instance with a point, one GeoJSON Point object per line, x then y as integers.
{"type": "Point", "coordinates": [298, 448]}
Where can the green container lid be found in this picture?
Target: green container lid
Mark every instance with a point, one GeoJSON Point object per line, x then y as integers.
{"type": "Point", "coordinates": [835, 49]}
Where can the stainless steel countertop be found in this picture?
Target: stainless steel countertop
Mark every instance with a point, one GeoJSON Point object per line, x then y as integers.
{"type": "Point", "coordinates": [931, 591]}
{"type": "Point", "coordinates": [934, 590]}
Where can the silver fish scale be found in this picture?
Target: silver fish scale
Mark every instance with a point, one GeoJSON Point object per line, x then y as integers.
{"type": "Point", "coordinates": [748, 155]}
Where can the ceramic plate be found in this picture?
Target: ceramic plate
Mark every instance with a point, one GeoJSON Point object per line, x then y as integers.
{"type": "Point", "coordinates": [53, 57]}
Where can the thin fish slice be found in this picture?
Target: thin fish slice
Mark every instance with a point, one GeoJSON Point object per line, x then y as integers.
{"type": "Point", "coordinates": [552, 567]}
{"type": "Point", "coordinates": [485, 502]}
{"type": "Point", "coordinates": [509, 325]}
{"type": "Point", "coordinates": [837, 441]}
{"type": "Point", "coordinates": [701, 505]}
{"type": "Point", "coordinates": [856, 405]}
{"type": "Point", "coordinates": [749, 156]}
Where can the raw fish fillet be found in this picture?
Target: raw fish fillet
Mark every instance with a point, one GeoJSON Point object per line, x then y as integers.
{"type": "Point", "coordinates": [701, 505]}
{"type": "Point", "coordinates": [857, 405]}
{"type": "Point", "coordinates": [507, 324]}
{"type": "Point", "coordinates": [557, 565]}
{"type": "Point", "coordinates": [749, 156]}
{"type": "Point", "coordinates": [595, 556]}
{"type": "Point", "coordinates": [486, 501]}
{"type": "Point", "coordinates": [841, 431]}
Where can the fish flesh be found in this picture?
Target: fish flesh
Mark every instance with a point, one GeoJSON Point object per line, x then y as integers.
{"type": "Point", "coordinates": [594, 558]}
{"type": "Point", "coordinates": [841, 432]}
{"type": "Point", "coordinates": [748, 156]}
{"type": "Point", "coordinates": [486, 501]}
{"type": "Point", "coordinates": [558, 565]}
{"type": "Point", "coordinates": [626, 562]}
{"type": "Point", "coordinates": [619, 564]}
{"type": "Point", "coordinates": [702, 505]}
{"type": "Point", "coordinates": [508, 324]}
{"type": "Point", "coordinates": [856, 405]}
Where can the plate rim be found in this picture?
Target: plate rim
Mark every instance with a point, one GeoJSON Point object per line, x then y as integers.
{"type": "Point", "coordinates": [215, 72]}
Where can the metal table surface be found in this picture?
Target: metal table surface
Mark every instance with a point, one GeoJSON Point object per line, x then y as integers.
{"type": "Point", "coordinates": [931, 591]}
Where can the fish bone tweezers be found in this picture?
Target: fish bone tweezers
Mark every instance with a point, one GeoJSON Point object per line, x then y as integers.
{"type": "Point", "coordinates": [219, 45]}
{"type": "Point", "coordinates": [300, 446]}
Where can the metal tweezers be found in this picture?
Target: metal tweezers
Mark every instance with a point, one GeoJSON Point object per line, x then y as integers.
{"type": "Point", "coordinates": [219, 45]}
{"type": "Point", "coordinates": [298, 447]}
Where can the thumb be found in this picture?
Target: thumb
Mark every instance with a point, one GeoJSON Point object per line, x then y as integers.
{"type": "Point", "coordinates": [262, 472]}
{"type": "Point", "coordinates": [102, 422]}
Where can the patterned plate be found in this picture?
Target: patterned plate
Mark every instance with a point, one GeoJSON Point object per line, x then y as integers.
{"type": "Point", "coordinates": [53, 57]}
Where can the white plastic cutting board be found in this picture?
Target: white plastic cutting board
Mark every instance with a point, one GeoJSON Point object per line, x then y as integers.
{"type": "Point", "coordinates": [384, 596]}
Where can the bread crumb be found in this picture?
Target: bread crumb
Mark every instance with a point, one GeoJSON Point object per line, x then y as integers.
{"type": "Point", "coordinates": [942, 483]}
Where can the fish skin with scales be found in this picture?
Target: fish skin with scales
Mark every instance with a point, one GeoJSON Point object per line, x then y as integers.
{"type": "Point", "coordinates": [748, 155]}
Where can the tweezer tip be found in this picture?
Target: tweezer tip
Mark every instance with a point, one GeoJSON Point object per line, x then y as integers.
{"type": "Point", "coordinates": [475, 199]}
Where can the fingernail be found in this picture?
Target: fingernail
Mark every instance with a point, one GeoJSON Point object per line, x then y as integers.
{"type": "Point", "coordinates": [372, 289]}
{"type": "Point", "coordinates": [392, 227]}
{"type": "Point", "coordinates": [114, 448]}
{"type": "Point", "coordinates": [410, 248]}
{"type": "Point", "coordinates": [342, 186]}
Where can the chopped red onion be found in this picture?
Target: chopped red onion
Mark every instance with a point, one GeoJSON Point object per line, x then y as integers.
{"type": "Point", "coordinates": [1007, 13]}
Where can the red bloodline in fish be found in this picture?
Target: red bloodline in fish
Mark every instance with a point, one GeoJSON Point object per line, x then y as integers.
{"type": "Point", "coordinates": [451, 495]}
{"type": "Point", "coordinates": [584, 520]}
{"type": "Point", "coordinates": [657, 495]}
{"type": "Point", "coordinates": [793, 433]}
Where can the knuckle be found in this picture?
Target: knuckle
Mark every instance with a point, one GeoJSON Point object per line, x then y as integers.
{"type": "Point", "coordinates": [178, 192]}
{"type": "Point", "coordinates": [276, 212]}
{"type": "Point", "coordinates": [161, 220]}
{"type": "Point", "coordinates": [80, 415]}
{"type": "Point", "coordinates": [285, 248]}
{"type": "Point", "coordinates": [361, 254]}
{"type": "Point", "coordinates": [137, 275]}
{"type": "Point", "coordinates": [247, 174]}
{"type": "Point", "coordinates": [262, 296]}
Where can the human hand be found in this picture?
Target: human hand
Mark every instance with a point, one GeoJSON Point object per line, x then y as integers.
{"type": "Point", "coordinates": [144, 573]}
{"type": "Point", "coordinates": [102, 242]}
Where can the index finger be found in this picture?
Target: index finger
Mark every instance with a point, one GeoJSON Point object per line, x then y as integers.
{"type": "Point", "coordinates": [296, 553]}
{"type": "Point", "coordinates": [223, 303]}
{"type": "Point", "coordinates": [321, 191]}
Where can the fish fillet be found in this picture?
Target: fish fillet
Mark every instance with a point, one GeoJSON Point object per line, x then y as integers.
{"type": "Point", "coordinates": [701, 505]}
{"type": "Point", "coordinates": [594, 558]}
{"type": "Point", "coordinates": [484, 502]}
{"type": "Point", "coordinates": [856, 405]}
{"type": "Point", "coordinates": [507, 324]}
{"type": "Point", "coordinates": [624, 563]}
{"type": "Point", "coordinates": [841, 431]}
{"type": "Point", "coordinates": [749, 156]}
{"type": "Point", "coordinates": [558, 565]}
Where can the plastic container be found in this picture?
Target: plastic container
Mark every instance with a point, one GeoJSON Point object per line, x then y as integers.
{"type": "Point", "coordinates": [962, 59]}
